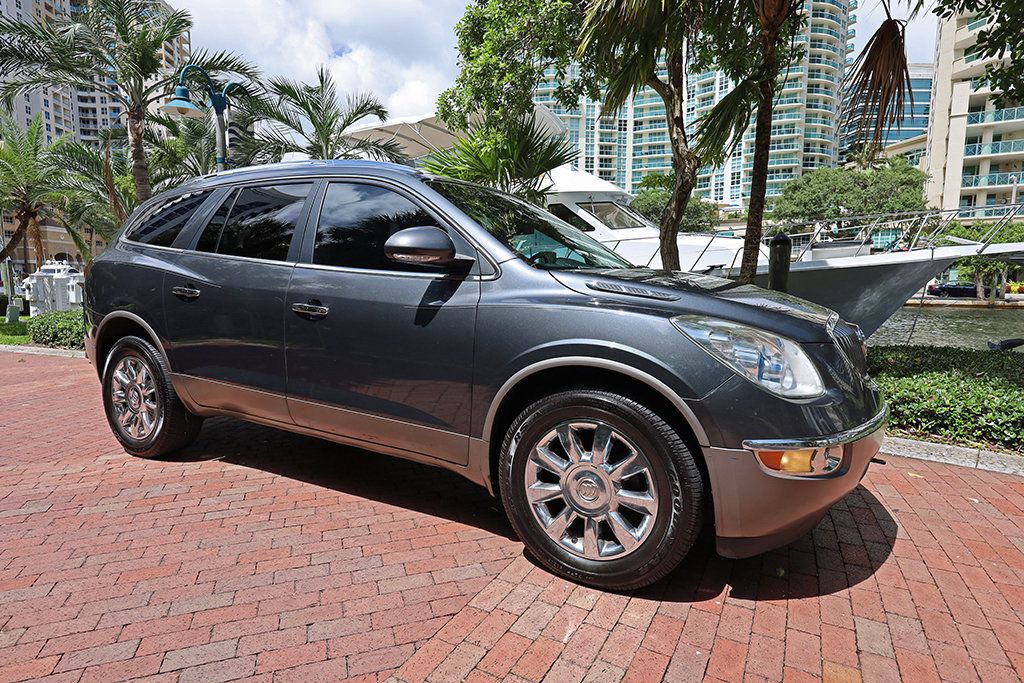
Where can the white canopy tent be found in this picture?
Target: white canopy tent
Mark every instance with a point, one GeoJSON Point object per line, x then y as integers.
{"type": "Point", "coordinates": [421, 135]}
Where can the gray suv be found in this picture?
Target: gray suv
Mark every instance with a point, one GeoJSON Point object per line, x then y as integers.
{"type": "Point", "coordinates": [614, 410]}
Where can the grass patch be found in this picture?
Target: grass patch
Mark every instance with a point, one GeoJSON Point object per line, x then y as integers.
{"type": "Point", "coordinates": [966, 397]}
{"type": "Point", "coordinates": [14, 334]}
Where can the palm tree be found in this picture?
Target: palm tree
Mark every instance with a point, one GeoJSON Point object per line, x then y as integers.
{"type": "Point", "coordinates": [180, 149]}
{"type": "Point", "coordinates": [310, 119]}
{"type": "Point", "coordinates": [514, 158]}
{"type": "Point", "coordinates": [114, 47]}
{"type": "Point", "coordinates": [29, 181]}
{"type": "Point", "coordinates": [96, 189]}
{"type": "Point", "coordinates": [627, 39]}
{"type": "Point", "coordinates": [754, 48]}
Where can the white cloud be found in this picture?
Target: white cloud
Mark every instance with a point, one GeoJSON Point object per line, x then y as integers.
{"type": "Point", "coordinates": [401, 50]}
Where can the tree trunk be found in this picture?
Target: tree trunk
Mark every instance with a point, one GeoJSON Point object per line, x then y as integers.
{"type": "Point", "coordinates": [34, 233]}
{"type": "Point", "coordinates": [684, 162]}
{"type": "Point", "coordinates": [682, 189]}
{"type": "Point", "coordinates": [979, 285]}
{"type": "Point", "coordinates": [12, 244]}
{"type": "Point", "coordinates": [759, 171]}
{"type": "Point", "coordinates": [140, 167]}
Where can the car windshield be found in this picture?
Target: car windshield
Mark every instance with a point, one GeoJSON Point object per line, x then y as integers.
{"type": "Point", "coordinates": [536, 236]}
{"type": "Point", "coordinates": [615, 216]}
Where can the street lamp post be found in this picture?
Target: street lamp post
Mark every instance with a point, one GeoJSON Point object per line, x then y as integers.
{"type": "Point", "coordinates": [182, 105]}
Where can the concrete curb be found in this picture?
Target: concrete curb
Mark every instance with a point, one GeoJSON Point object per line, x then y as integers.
{"type": "Point", "coordinates": [43, 351]}
{"type": "Point", "coordinates": [978, 458]}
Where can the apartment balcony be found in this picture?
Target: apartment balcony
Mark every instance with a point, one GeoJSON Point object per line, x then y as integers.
{"type": "Point", "coordinates": [974, 64]}
{"type": "Point", "coordinates": [967, 34]}
{"type": "Point", "coordinates": [828, 17]}
{"type": "Point", "coordinates": [998, 119]}
{"type": "Point", "coordinates": [825, 31]}
{"type": "Point", "coordinates": [992, 180]}
{"type": "Point", "coordinates": [819, 122]}
{"type": "Point", "coordinates": [822, 46]}
{"type": "Point", "coordinates": [834, 4]}
{"type": "Point", "coordinates": [987, 149]}
{"type": "Point", "coordinates": [824, 62]}
{"type": "Point", "coordinates": [816, 75]}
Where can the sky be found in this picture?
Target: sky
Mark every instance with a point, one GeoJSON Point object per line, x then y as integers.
{"type": "Point", "coordinates": [401, 50]}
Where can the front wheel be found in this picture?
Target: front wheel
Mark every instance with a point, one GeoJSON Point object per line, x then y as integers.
{"type": "Point", "coordinates": [143, 410]}
{"type": "Point", "coordinates": [601, 489]}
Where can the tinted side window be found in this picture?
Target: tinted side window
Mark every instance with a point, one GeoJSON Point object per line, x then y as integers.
{"type": "Point", "coordinates": [167, 220]}
{"type": "Point", "coordinates": [259, 223]}
{"type": "Point", "coordinates": [356, 221]}
{"type": "Point", "coordinates": [211, 233]}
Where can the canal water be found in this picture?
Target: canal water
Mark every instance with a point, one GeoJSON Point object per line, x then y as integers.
{"type": "Point", "coordinates": [951, 326]}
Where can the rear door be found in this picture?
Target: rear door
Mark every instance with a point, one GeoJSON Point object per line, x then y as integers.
{"type": "Point", "coordinates": [385, 354]}
{"type": "Point", "coordinates": [224, 301]}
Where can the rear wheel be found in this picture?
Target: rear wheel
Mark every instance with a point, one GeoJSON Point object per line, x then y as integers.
{"type": "Point", "coordinates": [601, 489]}
{"type": "Point", "coordinates": [143, 410]}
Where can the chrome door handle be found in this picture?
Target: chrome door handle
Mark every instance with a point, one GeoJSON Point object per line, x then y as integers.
{"type": "Point", "coordinates": [186, 293]}
{"type": "Point", "coordinates": [314, 311]}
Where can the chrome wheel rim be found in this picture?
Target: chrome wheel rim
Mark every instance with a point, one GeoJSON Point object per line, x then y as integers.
{"type": "Point", "coordinates": [591, 490]}
{"type": "Point", "coordinates": [137, 409]}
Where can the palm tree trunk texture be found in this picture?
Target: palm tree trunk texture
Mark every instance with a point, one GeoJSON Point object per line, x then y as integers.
{"type": "Point", "coordinates": [759, 171]}
{"type": "Point", "coordinates": [140, 167]}
{"type": "Point", "coordinates": [35, 233]}
{"type": "Point", "coordinates": [12, 244]}
{"type": "Point", "coordinates": [684, 161]}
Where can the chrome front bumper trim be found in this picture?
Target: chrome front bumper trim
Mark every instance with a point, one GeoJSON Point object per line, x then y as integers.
{"type": "Point", "coordinates": [849, 436]}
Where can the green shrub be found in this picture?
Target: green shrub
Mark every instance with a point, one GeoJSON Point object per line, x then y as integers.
{"type": "Point", "coordinates": [961, 396]}
{"type": "Point", "coordinates": [58, 329]}
{"type": "Point", "coordinates": [3, 305]}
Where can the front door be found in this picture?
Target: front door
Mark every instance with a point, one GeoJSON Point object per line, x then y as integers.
{"type": "Point", "coordinates": [380, 352]}
{"type": "Point", "coordinates": [225, 301]}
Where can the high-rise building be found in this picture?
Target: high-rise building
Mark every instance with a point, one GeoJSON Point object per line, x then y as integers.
{"type": "Point", "coordinates": [916, 107]}
{"type": "Point", "coordinates": [78, 113]}
{"type": "Point", "coordinates": [975, 154]}
{"type": "Point", "coordinates": [624, 148]}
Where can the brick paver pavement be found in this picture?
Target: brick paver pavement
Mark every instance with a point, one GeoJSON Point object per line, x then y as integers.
{"type": "Point", "coordinates": [262, 554]}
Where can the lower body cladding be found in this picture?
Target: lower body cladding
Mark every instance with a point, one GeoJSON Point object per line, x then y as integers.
{"type": "Point", "coordinates": [758, 509]}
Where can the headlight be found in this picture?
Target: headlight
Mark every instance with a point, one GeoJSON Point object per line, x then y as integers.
{"type": "Point", "coordinates": [766, 359]}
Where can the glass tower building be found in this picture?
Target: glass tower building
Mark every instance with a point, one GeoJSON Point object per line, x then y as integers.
{"type": "Point", "coordinates": [805, 131]}
{"type": "Point", "coordinates": [915, 113]}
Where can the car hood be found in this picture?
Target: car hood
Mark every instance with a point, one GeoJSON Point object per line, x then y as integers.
{"type": "Point", "coordinates": [677, 293]}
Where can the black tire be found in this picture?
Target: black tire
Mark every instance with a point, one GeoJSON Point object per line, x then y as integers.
{"type": "Point", "coordinates": [679, 488]}
{"type": "Point", "coordinates": [176, 426]}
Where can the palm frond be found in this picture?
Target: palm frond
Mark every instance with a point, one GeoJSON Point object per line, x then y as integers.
{"type": "Point", "coordinates": [880, 80]}
{"type": "Point", "coordinates": [721, 129]}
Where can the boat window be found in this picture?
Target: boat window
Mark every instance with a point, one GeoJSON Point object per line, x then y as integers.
{"type": "Point", "coordinates": [567, 215]}
{"type": "Point", "coordinates": [615, 216]}
{"type": "Point", "coordinates": [536, 236]}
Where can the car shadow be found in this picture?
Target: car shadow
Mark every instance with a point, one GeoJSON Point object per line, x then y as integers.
{"type": "Point", "coordinates": [350, 470]}
{"type": "Point", "coordinates": [847, 547]}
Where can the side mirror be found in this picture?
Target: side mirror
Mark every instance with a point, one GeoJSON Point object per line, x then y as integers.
{"type": "Point", "coordinates": [421, 246]}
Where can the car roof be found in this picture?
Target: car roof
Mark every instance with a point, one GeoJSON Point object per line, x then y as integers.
{"type": "Point", "coordinates": [297, 169]}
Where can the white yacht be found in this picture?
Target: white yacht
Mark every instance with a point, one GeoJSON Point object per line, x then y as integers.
{"type": "Point", "coordinates": [863, 267]}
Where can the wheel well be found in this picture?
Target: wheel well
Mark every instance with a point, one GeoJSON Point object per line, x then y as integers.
{"type": "Point", "coordinates": [551, 380]}
{"type": "Point", "coordinates": [114, 329]}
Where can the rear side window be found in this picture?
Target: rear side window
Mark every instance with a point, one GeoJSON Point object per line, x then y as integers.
{"type": "Point", "coordinates": [356, 221]}
{"type": "Point", "coordinates": [256, 222]}
{"type": "Point", "coordinates": [167, 221]}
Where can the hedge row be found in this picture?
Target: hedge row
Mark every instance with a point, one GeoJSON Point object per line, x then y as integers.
{"type": "Point", "coordinates": [959, 396]}
{"type": "Point", "coordinates": [58, 329]}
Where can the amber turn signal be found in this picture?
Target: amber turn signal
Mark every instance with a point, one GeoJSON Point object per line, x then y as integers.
{"type": "Point", "coordinates": [793, 462]}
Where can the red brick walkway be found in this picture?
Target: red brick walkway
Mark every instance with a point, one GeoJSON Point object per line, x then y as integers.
{"type": "Point", "coordinates": [259, 553]}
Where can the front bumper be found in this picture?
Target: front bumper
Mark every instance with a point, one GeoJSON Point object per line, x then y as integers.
{"type": "Point", "coordinates": [757, 510]}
